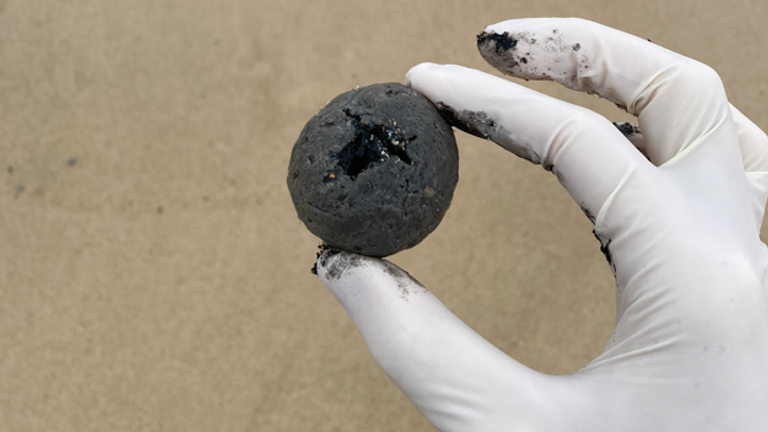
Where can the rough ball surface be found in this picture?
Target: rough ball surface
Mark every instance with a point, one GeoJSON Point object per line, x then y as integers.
{"type": "Point", "coordinates": [374, 171]}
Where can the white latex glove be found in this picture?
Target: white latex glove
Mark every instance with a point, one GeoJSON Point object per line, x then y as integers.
{"type": "Point", "coordinates": [680, 229]}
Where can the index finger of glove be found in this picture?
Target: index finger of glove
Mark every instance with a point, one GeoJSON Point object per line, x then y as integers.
{"type": "Point", "coordinates": [677, 100]}
{"type": "Point", "coordinates": [589, 155]}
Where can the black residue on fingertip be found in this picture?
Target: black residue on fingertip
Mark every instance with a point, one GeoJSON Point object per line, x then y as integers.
{"type": "Point", "coordinates": [588, 213]}
{"type": "Point", "coordinates": [503, 41]}
{"type": "Point", "coordinates": [334, 269]}
{"type": "Point", "coordinates": [628, 129]}
{"type": "Point", "coordinates": [605, 248]}
{"type": "Point", "coordinates": [320, 248]}
{"type": "Point", "coordinates": [327, 253]}
{"type": "Point", "coordinates": [72, 162]}
{"type": "Point", "coordinates": [473, 123]}
{"type": "Point", "coordinates": [324, 251]}
{"type": "Point", "coordinates": [401, 277]}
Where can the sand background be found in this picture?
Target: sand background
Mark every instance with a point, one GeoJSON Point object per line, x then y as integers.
{"type": "Point", "coordinates": [153, 275]}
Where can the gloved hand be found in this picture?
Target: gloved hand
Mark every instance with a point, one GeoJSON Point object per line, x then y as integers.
{"type": "Point", "coordinates": [677, 209]}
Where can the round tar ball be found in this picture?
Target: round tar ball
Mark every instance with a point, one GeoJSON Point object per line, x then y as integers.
{"type": "Point", "coordinates": [374, 171]}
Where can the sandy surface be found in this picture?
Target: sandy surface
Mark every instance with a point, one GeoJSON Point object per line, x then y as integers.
{"type": "Point", "coordinates": [153, 275]}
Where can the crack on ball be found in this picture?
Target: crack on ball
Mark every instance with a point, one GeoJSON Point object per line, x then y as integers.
{"type": "Point", "coordinates": [373, 143]}
{"type": "Point", "coordinates": [503, 41]}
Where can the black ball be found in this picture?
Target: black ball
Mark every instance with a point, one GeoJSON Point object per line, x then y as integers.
{"type": "Point", "coordinates": [374, 171]}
